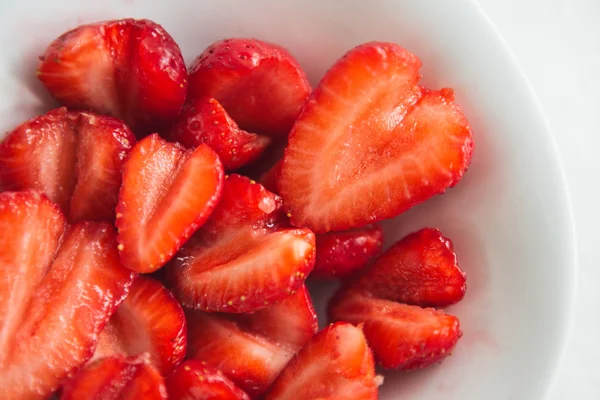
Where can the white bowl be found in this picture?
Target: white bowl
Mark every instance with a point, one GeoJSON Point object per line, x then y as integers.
{"type": "Point", "coordinates": [509, 218]}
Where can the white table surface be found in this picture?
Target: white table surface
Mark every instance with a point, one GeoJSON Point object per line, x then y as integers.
{"type": "Point", "coordinates": [557, 43]}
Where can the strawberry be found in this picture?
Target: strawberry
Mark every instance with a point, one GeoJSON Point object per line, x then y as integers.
{"type": "Point", "coordinates": [167, 193]}
{"type": "Point", "coordinates": [260, 84]}
{"type": "Point", "coordinates": [116, 378]}
{"type": "Point", "coordinates": [252, 349]}
{"type": "Point", "coordinates": [149, 320]}
{"type": "Point", "coordinates": [204, 120]}
{"type": "Point", "coordinates": [335, 364]}
{"type": "Point", "coordinates": [340, 254]}
{"type": "Point", "coordinates": [421, 269]}
{"type": "Point", "coordinates": [74, 157]}
{"type": "Point", "coordinates": [196, 380]}
{"type": "Point", "coordinates": [389, 144]}
{"type": "Point", "coordinates": [57, 293]}
{"type": "Point", "coordinates": [401, 336]}
{"type": "Point", "coordinates": [131, 69]}
{"type": "Point", "coordinates": [242, 260]}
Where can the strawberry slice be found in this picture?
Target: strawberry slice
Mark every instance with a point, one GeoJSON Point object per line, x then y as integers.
{"type": "Point", "coordinates": [167, 193]}
{"type": "Point", "coordinates": [131, 69]}
{"type": "Point", "coordinates": [335, 364]}
{"type": "Point", "coordinates": [389, 144]}
{"type": "Point", "coordinates": [240, 260]}
{"type": "Point", "coordinates": [260, 84]}
{"type": "Point", "coordinates": [57, 294]}
{"type": "Point", "coordinates": [74, 157]}
{"type": "Point", "coordinates": [402, 336]}
{"type": "Point", "coordinates": [204, 120]}
{"type": "Point", "coordinates": [252, 349]}
{"type": "Point", "coordinates": [116, 378]}
{"type": "Point", "coordinates": [340, 254]}
{"type": "Point", "coordinates": [196, 380]}
{"type": "Point", "coordinates": [149, 320]}
{"type": "Point", "coordinates": [421, 269]}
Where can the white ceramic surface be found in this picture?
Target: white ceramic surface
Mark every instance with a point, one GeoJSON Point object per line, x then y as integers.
{"type": "Point", "coordinates": [509, 218]}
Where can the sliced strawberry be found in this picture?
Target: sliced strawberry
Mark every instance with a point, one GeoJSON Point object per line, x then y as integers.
{"type": "Point", "coordinates": [167, 193]}
{"type": "Point", "coordinates": [131, 69]}
{"type": "Point", "coordinates": [401, 336]}
{"type": "Point", "coordinates": [260, 84]}
{"type": "Point", "coordinates": [240, 260]}
{"type": "Point", "coordinates": [204, 120]}
{"type": "Point", "coordinates": [250, 360]}
{"type": "Point", "coordinates": [74, 157]}
{"type": "Point", "coordinates": [252, 349]}
{"type": "Point", "coordinates": [421, 269]}
{"type": "Point", "coordinates": [335, 364]}
{"type": "Point", "coordinates": [196, 380]}
{"type": "Point", "coordinates": [340, 254]}
{"type": "Point", "coordinates": [57, 298]}
{"type": "Point", "coordinates": [116, 378]}
{"type": "Point", "coordinates": [269, 178]}
{"type": "Point", "coordinates": [291, 322]}
{"type": "Point", "coordinates": [389, 144]}
{"type": "Point", "coordinates": [149, 320]}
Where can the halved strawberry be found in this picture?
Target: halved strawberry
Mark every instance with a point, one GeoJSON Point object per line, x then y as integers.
{"type": "Point", "coordinates": [335, 364]}
{"type": "Point", "coordinates": [57, 294]}
{"type": "Point", "coordinates": [260, 84]}
{"type": "Point", "coordinates": [389, 144]}
{"type": "Point", "coordinates": [196, 380]}
{"type": "Point", "coordinates": [241, 260]}
{"type": "Point", "coordinates": [131, 69]}
{"type": "Point", "coordinates": [204, 120]}
{"type": "Point", "coordinates": [401, 336]}
{"type": "Point", "coordinates": [167, 193]}
{"type": "Point", "coordinates": [149, 320]}
{"type": "Point", "coordinates": [340, 254]}
{"type": "Point", "coordinates": [252, 349]}
{"type": "Point", "coordinates": [421, 269]}
{"type": "Point", "coordinates": [74, 157]}
{"type": "Point", "coordinates": [116, 378]}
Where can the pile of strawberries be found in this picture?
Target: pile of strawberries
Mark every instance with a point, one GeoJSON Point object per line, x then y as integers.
{"type": "Point", "coordinates": [139, 263]}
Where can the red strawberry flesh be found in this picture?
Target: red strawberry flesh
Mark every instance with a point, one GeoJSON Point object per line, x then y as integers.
{"type": "Point", "coordinates": [131, 69]}
{"type": "Point", "coordinates": [401, 336]}
{"type": "Point", "coordinates": [204, 120]}
{"type": "Point", "coordinates": [149, 320]}
{"type": "Point", "coordinates": [389, 144]}
{"type": "Point", "coordinates": [116, 378]}
{"type": "Point", "coordinates": [167, 194]}
{"type": "Point", "coordinates": [260, 84]}
{"type": "Point", "coordinates": [196, 380]}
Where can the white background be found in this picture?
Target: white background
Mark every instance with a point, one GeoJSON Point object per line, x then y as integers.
{"type": "Point", "coordinates": [557, 43]}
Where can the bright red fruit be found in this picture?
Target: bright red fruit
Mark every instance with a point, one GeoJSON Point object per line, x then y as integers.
{"type": "Point", "coordinates": [196, 380]}
{"type": "Point", "coordinates": [370, 143]}
{"type": "Point", "coordinates": [401, 336]}
{"type": "Point", "coordinates": [56, 293]}
{"type": "Point", "coordinates": [241, 260]}
{"type": "Point", "coordinates": [73, 157]}
{"type": "Point", "coordinates": [204, 120]}
{"type": "Point", "coordinates": [340, 254]}
{"type": "Point", "coordinates": [269, 178]}
{"type": "Point", "coordinates": [116, 378]}
{"type": "Point", "coordinates": [149, 320]}
{"type": "Point", "coordinates": [335, 364]}
{"type": "Point", "coordinates": [252, 349]}
{"type": "Point", "coordinates": [421, 269]}
{"type": "Point", "coordinates": [260, 84]}
{"type": "Point", "coordinates": [131, 69]}
{"type": "Point", "coordinates": [167, 193]}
